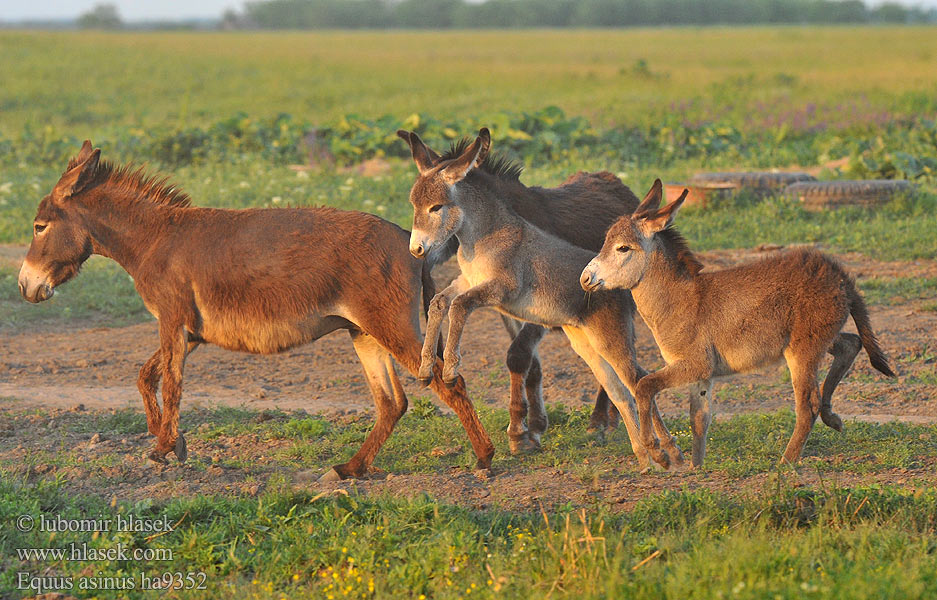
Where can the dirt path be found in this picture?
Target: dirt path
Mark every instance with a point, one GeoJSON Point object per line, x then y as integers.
{"type": "Point", "coordinates": [97, 366]}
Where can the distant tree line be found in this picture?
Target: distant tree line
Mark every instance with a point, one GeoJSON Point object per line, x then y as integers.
{"type": "Point", "coordinates": [441, 14]}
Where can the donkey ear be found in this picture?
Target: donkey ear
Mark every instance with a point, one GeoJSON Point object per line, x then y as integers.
{"type": "Point", "coordinates": [652, 200]}
{"type": "Point", "coordinates": [79, 176]}
{"type": "Point", "coordinates": [423, 155]}
{"type": "Point", "coordinates": [473, 156]}
{"type": "Point", "coordinates": [84, 153]}
{"type": "Point", "coordinates": [663, 218]}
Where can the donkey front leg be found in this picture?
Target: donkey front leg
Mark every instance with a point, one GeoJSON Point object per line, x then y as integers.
{"type": "Point", "coordinates": [147, 383]}
{"type": "Point", "coordinates": [673, 375]}
{"type": "Point", "coordinates": [489, 293]}
{"type": "Point", "coordinates": [438, 307]}
{"type": "Point", "coordinates": [173, 349]}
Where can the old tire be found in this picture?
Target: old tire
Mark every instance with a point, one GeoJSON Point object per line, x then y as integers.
{"type": "Point", "coordinates": [763, 183]}
{"type": "Point", "coordinates": [819, 195]}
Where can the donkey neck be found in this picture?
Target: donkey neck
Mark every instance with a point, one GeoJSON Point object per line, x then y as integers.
{"type": "Point", "coordinates": [485, 215]}
{"type": "Point", "coordinates": [126, 226]}
{"type": "Point", "coordinates": [665, 290]}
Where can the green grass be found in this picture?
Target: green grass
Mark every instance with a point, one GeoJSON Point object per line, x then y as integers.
{"type": "Point", "coordinates": [191, 78]}
{"type": "Point", "coordinates": [895, 290]}
{"type": "Point", "coordinates": [863, 542]}
{"type": "Point", "coordinates": [425, 441]}
{"type": "Point", "coordinates": [776, 538]}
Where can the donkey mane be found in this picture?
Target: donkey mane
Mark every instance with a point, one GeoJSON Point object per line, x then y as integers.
{"type": "Point", "coordinates": [495, 163]}
{"type": "Point", "coordinates": [132, 179]}
{"type": "Point", "coordinates": [676, 245]}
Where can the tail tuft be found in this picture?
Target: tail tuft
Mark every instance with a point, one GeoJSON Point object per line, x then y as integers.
{"type": "Point", "coordinates": [861, 316]}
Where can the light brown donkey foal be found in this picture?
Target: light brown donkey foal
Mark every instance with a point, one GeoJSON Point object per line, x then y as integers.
{"type": "Point", "coordinates": [255, 280]}
{"type": "Point", "coordinates": [712, 324]}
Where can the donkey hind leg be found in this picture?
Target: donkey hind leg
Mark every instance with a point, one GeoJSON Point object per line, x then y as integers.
{"type": "Point", "coordinates": [806, 401]}
{"type": "Point", "coordinates": [604, 414]}
{"type": "Point", "coordinates": [524, 366]}
{"type": "Point", "coordinates": [389, 399]}
{"type": "Point", "coordinates": [403, 342]}
{"type": "Point", "coordinates": [844, 350]}
{"type": "Point", "coordinates": [618, 351]}
{"type": "Point", "coordinates": [617, 392]}
{"type": "Point", "coordinates": [700, 418]}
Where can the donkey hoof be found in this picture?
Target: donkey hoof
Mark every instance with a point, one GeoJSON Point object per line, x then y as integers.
{"type": "Point", "coordinates": [484, 463]}
{"type": "Point", "coordinates": [450, 381]}
{"type": "Point", "coordinates": [832, 420]}
{"type": "Point", "coordinates": [330, 476]}
{"type": "Point", "coordinates": [675, 455]}
{"type": "Point", "coordinates": [157, 457]}
{"type": "Point", "coordinates": [181, 450]}
{"type": "Point", "coordinates": [425, 381]}
{"type": "Point", "coordinates": [523, 444]}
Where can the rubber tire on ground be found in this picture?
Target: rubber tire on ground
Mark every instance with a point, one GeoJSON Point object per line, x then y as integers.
{"type": "Point", "coordinates": [832, 194]}
{"type": "Point", "coordinates": [762, 182]}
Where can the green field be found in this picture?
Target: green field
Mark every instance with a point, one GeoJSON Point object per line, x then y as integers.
{"type": "Point", "coordinates": [727, 532]}
{"type": "Point", "coordinates": [228, 118]}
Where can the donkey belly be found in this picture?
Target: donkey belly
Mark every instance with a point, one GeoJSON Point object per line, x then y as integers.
{"type": "Point", "coordinates": [534, 308]}
{"type": "Point", "coordinates": [266, 336]}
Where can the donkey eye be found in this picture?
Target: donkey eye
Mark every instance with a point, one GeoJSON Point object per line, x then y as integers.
{"type": "Point", "coordinates": [623, 249]}
{"type": "Point", "coordinates": [39, 228]}
{"type": "Point", "coordinates": [435, 208]}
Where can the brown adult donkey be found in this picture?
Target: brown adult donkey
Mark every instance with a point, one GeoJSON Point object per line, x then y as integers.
{"type": "Point", "coordinates": [712, 324]}
{"type": "Point", "coordinates": [579, 211]}
{"type": "Point", "coordinates": [256, 280]}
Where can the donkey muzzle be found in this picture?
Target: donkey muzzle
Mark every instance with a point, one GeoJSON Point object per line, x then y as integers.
{"type": "Point", "coordinates": [33, 284]}
{"type": "Point", "coordinates": [417, 250]}
{"type": "Point", "coordinates": [589, 282]}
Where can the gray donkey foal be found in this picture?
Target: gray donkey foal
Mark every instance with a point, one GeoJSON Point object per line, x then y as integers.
{"type": "Point", "coordinates": [578, 211]}
{"type": "Point", "coordinates": [711, 324]}
{"type": "Point", "coordinates": [523, 272]}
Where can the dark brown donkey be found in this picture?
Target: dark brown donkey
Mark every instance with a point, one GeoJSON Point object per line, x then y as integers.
{"type": "Point", "coordinates": [790, 306]}
{"type": "Point", "coordinates": [256, 280]}
{"type": "Point", "coordinates": [578, 211]}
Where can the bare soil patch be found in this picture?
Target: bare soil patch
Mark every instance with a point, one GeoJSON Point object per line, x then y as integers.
{"type": "Point", "coordinates": [97, 366]}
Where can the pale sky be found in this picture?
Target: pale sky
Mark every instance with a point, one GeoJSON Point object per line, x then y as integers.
{"type": "Point", "coordinates": [139, 10]}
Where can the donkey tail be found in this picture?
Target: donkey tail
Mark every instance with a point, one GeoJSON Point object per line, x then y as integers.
{"type": "Point", "coordinates": [861, 316]}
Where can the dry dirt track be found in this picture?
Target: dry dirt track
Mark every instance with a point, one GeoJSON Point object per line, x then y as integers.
{"type": "Point", "coordinates": [97, 366]}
